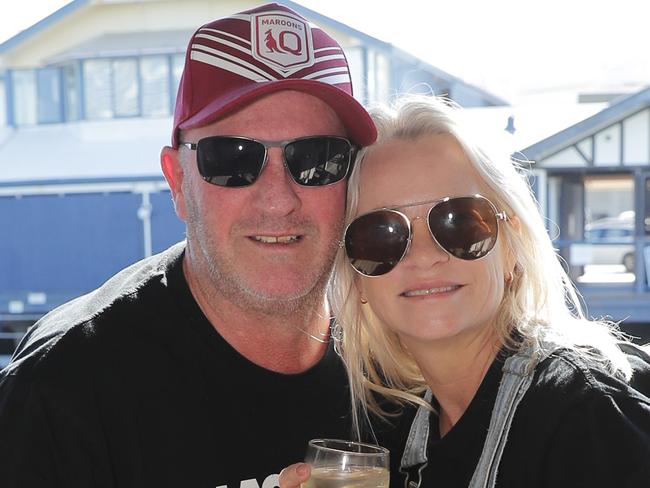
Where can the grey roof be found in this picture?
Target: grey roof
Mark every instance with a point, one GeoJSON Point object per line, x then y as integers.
{"type": "Point", "coordinates": [128, 44]}
{"type": "Point", "coordinates": [617, 111]}
{"type": "Point", "coordinates": [119, 149]}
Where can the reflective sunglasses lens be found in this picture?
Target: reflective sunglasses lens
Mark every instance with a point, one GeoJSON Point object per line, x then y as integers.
{"type": "Point", "coordinates": [465, 227]}
{"type": "Point", "coordinates": [376, 242]}
{"type": "Point", "coordinates": [229, 161]}
{"type": "Point", "coordinates": [318, 161]}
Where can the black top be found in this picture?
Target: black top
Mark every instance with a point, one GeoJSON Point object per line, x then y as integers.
{"type": "Point", "coordinates": [131, 386]}
{"type": "Point", "coordinates": [575, 427]}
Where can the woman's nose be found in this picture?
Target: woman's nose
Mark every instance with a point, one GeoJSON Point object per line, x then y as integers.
{"type": "Point", "coordinates": [424, 251]}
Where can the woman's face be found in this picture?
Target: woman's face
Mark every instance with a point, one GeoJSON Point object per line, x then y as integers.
{"type": "Point", "coordinates": [429, 295]}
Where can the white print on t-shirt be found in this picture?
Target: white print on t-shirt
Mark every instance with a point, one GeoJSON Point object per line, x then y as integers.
{"type": "Point", "coordinates": [271, 481]}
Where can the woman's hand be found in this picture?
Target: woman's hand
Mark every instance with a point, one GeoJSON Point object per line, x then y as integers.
{"type": "Point", "coordinates": [292, 476]}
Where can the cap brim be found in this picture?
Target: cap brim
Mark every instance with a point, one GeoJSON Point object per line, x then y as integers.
{"type": "Point", "coordinates": [360, 127]}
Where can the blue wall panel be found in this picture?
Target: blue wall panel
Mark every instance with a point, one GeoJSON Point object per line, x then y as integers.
{"type": "Point", "coordinates": [166, 227]}
{"type": "Point", "coordinates": [66, 244]}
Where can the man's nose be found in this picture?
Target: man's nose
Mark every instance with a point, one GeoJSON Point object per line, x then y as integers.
{"type": "Point", "coordinates": [275, 190]}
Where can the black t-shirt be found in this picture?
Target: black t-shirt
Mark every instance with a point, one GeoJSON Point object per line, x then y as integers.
{"type": "Point", "coordinates": [575, 427]}
{"type": "Point", "coordinates": [131, 386]}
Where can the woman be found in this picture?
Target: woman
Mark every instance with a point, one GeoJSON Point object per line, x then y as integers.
{"type": "Point", "coordinates": [451, 297]}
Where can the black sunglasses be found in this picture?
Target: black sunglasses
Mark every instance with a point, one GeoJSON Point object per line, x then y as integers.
{"type": "Point", "coordinates": [238, 161]}
{"type": "Point", "coordinates": [465, 227]}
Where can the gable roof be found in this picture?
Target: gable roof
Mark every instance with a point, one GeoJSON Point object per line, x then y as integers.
{"type": "Point", "coordinates": [42, 24]}
{"type": "Point", "coordinates": [76, 4]}
{"type": "Point", "coordinates": [619, 110]}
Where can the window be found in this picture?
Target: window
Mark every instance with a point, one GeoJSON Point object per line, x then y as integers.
{"type": "Point", "coordinates": [355, 56]}
{"type": "Point", "coordinates": [178, 63]}
{"type": "Point", "coordinates": [93, 89]}
{"type": "Point", "coordinates": [71, 92]}
{"type": "Point", "coordinates": [97, 89]}
{"type": "Point", "coordinates": [48, 88]}
{"type": "Point", "coordinates": [125, 87]}
{"type": "Point", "coordinates": [604, 230]}
{"type": "Point", "coordinates": [3, 105]}
{"type": "Point", "coordinates": [111, 88]}
{"type": "Point", "coordinates": [24, 90]}
{"type": "Point", "coordinates": [646, 217]}
{"type": "Point", "coordinates": [378, 77]}
{"type": "Point", "coordinates": [154, 73]}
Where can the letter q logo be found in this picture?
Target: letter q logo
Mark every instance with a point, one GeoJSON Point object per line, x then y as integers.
{"type": "Point", "coordinates": [282, 42]}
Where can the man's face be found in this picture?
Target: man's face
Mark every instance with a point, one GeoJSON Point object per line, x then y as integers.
{"type": "Point", "coordinates": [268, 246]}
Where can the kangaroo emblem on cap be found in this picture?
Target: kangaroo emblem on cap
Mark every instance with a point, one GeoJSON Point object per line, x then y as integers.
{"type": "Point", "coordinates": [271, 43]}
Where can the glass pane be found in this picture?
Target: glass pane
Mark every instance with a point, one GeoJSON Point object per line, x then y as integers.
{"type": "Point", "coordinates": [48, 87]}
{"type": "Point", "coordinates": [382, 77]}
{"type": "Point", "coordinates": [71, 91]}
{"type": "Point", "coordinates": [125, 86]}
{"type": "Point", "coordinates": [355, 61]}
{"type": "Point", "coordinates": [646, 229]}
{"type": "Point", "coordinates": [371, 76]}
{"type": "Point", "coordinates": [154, 73]}
{"type": "Point", "coordinates": [3, 104]}
{"type": "Point", "coordinates": [97, 89]}
{"type": "Point", "coordinates": [24, 88]}
{"type": "Point", "coordinates": [178, 63]}
{"type": "Point", "coordinates": [646, 217]}
{"type": "Point", "coordinates": [607, 252]}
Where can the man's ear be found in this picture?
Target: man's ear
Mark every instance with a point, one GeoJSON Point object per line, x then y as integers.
{"type": "Point", "coordinates": [173, 171]}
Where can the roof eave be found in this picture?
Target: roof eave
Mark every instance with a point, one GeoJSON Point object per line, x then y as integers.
{"type": "Point", "coordinates": [490, 97]}
{"type": "Point", "coordinates": [576, 132]}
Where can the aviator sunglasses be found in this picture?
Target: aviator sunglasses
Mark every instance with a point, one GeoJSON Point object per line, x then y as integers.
{"type": "Point", "coordinates": [465, 227]}
{"type": "Point", "coordinates": [233, 161]}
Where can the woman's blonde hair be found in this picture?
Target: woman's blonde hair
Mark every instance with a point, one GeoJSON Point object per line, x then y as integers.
{"type": "Point", "coordinates": [540, 304]}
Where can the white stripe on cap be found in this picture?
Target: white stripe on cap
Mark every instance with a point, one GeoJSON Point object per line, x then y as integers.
{"type": "Point", "coordinates": [225, 43]}
{"type": "Point", "coordinates": [228, 66]}
{"type": "Point", "coordinates": [335, 80]}
{"type": "Point", "coordinates": [330, 48]}
{"type": "Point", "coordinates": [339, 70]}
{"type": "Point", "coordinates": [329, 58]}
{"type": "Point", "coordinates": [226, 34]}
{"type": "Point", "coordinates": [234, 60]}
{"type": "Point", "coordinates": [241, 17]}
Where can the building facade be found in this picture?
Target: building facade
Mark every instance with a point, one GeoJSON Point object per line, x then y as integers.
{"type": "Point", "coordinates": [593, 182]}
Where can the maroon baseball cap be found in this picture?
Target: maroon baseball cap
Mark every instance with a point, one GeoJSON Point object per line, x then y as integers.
{"type": "Point", "coordinates": [235, 60]}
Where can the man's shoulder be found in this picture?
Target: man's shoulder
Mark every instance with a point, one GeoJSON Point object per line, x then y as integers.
{"type": "Point", "coordinates": [123, 301]}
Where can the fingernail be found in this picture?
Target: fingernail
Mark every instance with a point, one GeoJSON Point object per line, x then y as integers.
{"type": "Point", "coordinates": [302, 470]}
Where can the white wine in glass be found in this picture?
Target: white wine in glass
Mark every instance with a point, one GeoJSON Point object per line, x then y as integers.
{"type": "Point", "coordinates": [346, 464]}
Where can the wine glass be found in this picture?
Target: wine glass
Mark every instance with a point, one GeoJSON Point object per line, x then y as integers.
{"type": "Point", "coordinates": [346, 464]}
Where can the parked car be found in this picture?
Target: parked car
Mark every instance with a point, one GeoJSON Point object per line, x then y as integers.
{"type": "Point", "coordinates": [609, 237]}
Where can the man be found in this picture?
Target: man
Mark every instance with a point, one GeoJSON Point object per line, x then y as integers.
{"type": "Point", "coordinates": [210, 364]}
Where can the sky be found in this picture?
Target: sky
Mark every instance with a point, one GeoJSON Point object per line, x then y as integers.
{"type": "Point", "coordinates": [513, 48]}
